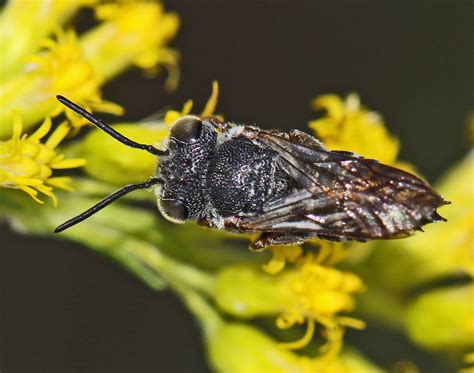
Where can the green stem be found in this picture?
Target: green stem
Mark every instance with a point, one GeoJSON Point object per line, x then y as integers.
{"type": "Point", "coordinates": [141, 258]}
{"type": "Point", "coordinates": [172, 270]}
{"type": "Point", "coordinates": [116, 232]}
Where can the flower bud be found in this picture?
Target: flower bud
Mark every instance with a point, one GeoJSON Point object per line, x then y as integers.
{"type": "Point", "coordinates": [443, 319]}
{"type": "Point", "coordinates": [240, 348]}
{"type": "Point", "coordinates": [246, 292]}
{"type": "Point", "coordinates": [113, 162]}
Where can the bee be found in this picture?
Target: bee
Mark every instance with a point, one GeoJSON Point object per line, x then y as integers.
{"type": "Point", "coordinates": [284, 185]}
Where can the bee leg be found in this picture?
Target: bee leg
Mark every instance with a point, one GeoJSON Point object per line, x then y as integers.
{"type": "Point", "coordinates": [276, 238]}
{"type": "Point", "coordinates": [231, 223]}
{"type": "Point", "coordinates": [204, 222]}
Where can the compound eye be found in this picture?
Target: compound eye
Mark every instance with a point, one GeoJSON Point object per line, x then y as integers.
{"type": "Point", "coordinates": [186, 129]}
{"type": "Point", "coordinates": [173, 210]}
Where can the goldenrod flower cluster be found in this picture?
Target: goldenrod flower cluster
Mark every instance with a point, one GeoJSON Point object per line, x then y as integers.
{"type": "Point", "coordinates": [320, 294]}
{"type": "Point", "coordinates": [254, 309]}
{"type": "Point", "coordinates": [135, 32]}
{"type": "Point", "coordinates": [61, 67]}
{"type": "Point", "coordinates": [38, 64]}
{"type": "Point", "coordinates": [348, 126]}
{"type": "Point", "coordinates": [28, 164]}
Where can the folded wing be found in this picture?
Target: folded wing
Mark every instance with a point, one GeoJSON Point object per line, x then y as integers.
{"type": "Point", "coordinates": [342, 195]}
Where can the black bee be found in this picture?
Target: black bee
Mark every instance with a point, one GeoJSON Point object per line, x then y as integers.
{"type": "Point", "coordinates": [287, 186]}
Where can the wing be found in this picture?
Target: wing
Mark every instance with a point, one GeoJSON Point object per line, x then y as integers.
{"type": "Point", "coordinates": [341, 195]}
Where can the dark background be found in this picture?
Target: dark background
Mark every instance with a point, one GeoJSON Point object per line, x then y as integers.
{"type": "Point", "coordinates": [66, 309]}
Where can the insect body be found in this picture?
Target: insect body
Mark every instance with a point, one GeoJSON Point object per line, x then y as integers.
{"type": "Point", "coordinates": [287, 186]}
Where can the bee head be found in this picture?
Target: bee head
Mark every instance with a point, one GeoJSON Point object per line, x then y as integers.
{"type": "Point", "coordinates": [186, 129]}
{"type": "Point", "coordinates": [173, 210]}
{"type": "Point", "coordinates": [183, 170]}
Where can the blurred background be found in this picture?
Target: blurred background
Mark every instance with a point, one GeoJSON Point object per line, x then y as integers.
{"type": "Point", "coordinates": [65, 309]}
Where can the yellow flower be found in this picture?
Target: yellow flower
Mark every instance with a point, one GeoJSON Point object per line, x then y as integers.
{"type": "Point", "coordinates": [236, 347]}
{"type": "Point", "coordinates": [66, 71]}
{"type": "Point", "coordinates": [327, 253]}
{"type": "Point", "coordinates": [348, 126]}
{"type": "Point", "coordinates": [19, 38]}
{"type": "Point", "coordinates": [281, 255]}
{"type": "Point", "coordinates": [60, 68]}
{"type": "Point", "coordinates": [172, 115]}
{"type": "Point", "coordinates": [319, 294]}
{"type": "Point", "coordinates": [28, 164]}
{"type": "Point", "coordinates": [133, 33]}
{"type": "Point", "coordinates": [307, 293]}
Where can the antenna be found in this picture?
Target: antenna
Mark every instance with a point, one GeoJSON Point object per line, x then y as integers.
{"type": "Point", "coordinates": [107, 129]}
{"type": "Point", "coordinates": [105, 202]}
